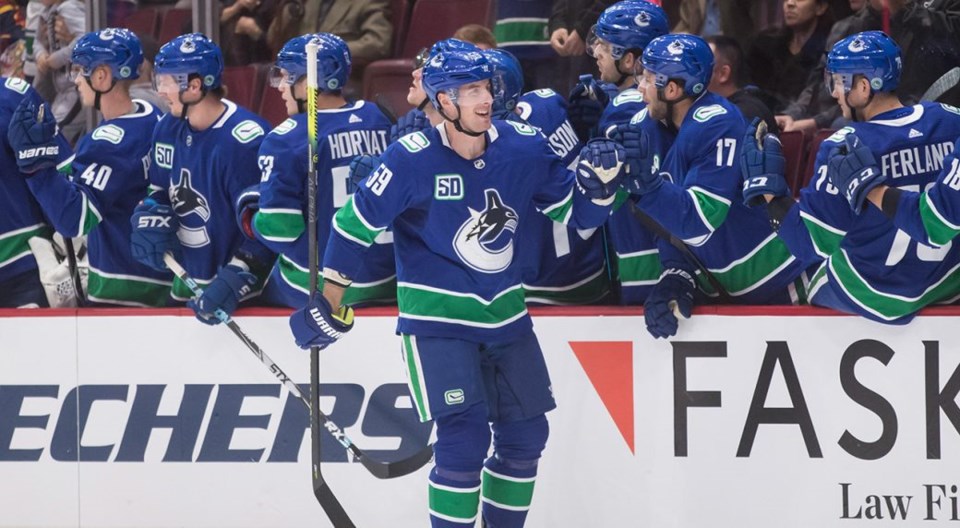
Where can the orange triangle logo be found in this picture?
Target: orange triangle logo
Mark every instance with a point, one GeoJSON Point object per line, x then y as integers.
{"type": "Point", "coordinates": [609, 365]}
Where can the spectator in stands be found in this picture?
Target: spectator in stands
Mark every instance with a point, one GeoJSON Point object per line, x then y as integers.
{"type": "Point", "coordinates": [926, 32]}
{"type": "Point", "coordinates": [364, 24]}
{"type": "Point", "coordinates": [478, 35]}
{"type": "Point", "coordinates": [59, 25]}
{"type": "Point", "coordinates": [730, 80]}
{"type": "Point", "coordinates": [11, 39]}
{"type": "Point", "coordinates": [569, 26]}
{"type": "Point", "coordinates": [733, 18]}
{"type": "Point", "coordinates": [243, 30]}
{"type": "Point", "coordinates": [785, 55]}
{"type": "Point", "coordinates": [522, 29]}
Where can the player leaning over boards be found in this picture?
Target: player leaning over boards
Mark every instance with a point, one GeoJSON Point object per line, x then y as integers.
{"type": "Point", "coordinates": [696, 193]}
{"type": "Point", "coordinates": [108, 174]}
{"type": "Point", "coordinates": [456, 197]}
{"type": "Point", "coordinates": [868, 266]}
{"type": "Point", "coordinates": [345, 130]}
{"type": "Point", "coordinates": [204, 156]}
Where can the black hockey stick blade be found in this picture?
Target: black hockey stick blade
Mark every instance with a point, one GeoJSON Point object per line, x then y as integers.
{"type": "Point", "coordinates": [328, 501]}
{"type": "Point", "coordinates": [389, 470]}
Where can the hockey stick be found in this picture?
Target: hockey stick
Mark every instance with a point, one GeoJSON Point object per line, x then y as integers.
{"type": "Point", "coordinates": [381, 470]}
{"type": "Point", "coordinates": [74, 271]}
{"type": "Point", "coordinates": [942, 85]}
{"type": "Point", "coordinates": [328, 501]}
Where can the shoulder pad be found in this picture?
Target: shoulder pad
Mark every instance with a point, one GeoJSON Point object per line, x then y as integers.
{"type": "Point", "coordinates": [17, 85]}
{"type": "Point", "coordinates": [628, 96]}
{"type": "Point", "coordinates": [111, 133]}
{"type": "Point", "coordinates": [246, 131]}
{"type": "Point", "coordinates": [414, 142]}
{"type": "Point", "coordinates": [639, 117]}
{"type": "Point", "coordinates": [286, 126]}
{"type": "Point", "coordinates": [949, 108]}
{"type": "Point", "coordinates": [838, 136]}
{"type": "Point", "coordinates": [706, 113]}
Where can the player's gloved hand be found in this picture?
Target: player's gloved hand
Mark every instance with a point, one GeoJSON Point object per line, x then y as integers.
{"type": "Point", "coordinates": [853, 170]}
{"type": "Point", "coordinates": [316, 325]}
{"type": "Point", "coordinates": [675, 288]}
{"type": "Point", "coordinates": [360, 168]}
{"type": "Point", "coordinates": [154, 232]}
{"type": "Point", "coordinates": [641, 178]}
{"type": "Point", "coordinates": [231, 284]}
{"type": "Point", "coordinates": [585, 106]}
{"type": "Point", "coordinates": [54, 274]}
{"type": "Point", "coordinates": [600, 169]}
{"type": "Point", "coordinates": [32, 134]}
{"type": "Point", "coordinates": [762, 165]}
{"type": "Point", "coordinates": [248, 203]}
{"type": "Point", "coordinates": [413, 121]}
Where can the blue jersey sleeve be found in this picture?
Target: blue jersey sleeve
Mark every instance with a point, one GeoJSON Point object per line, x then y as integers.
{"type": "Point", "coordinates": [933, 217]}
{"type": "Point", "coordinates": [280, 221]}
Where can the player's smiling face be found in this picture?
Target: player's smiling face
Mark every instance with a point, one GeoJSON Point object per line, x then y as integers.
{"type": "Point", "coordinates": [475, 102]}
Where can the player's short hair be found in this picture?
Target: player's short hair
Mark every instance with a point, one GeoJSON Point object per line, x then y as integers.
{"type": "Point", "coordinates": [477, 35]}
{"type": "Point", "coordinates": [729, 52]}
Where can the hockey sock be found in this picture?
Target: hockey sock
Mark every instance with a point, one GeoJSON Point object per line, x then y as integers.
{"type": "Point", "coordinates": [510, 474]}
{"type": "Point", "coordinates": [463, 440]}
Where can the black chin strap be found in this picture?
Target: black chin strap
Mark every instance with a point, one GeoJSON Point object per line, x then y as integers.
{"type": "Point", "coordinates": [423, 104]}
{"type": "Point", "coordinates": [456, 122]}
{"type": "Point", "coordinates": [670, 108]}
{"type": "Point", "coordinates": [186, 105]}
{"type": "Point", "coordinates": [98, 93]}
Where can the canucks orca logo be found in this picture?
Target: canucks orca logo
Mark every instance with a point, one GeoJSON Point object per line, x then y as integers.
{"type": "Point", "coordinates": [485, 241]}
{"type": "Point", "coordinates": [857, 45]}
{"type": "Point", "coordinates": [187, 200]}
{"type": "Point", "coordinates": [675, 48]}
{"type": "Point", "coordinates": [642, 20]}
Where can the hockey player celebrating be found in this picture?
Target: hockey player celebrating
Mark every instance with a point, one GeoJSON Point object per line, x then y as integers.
{"type": "Point", "coordinates": [695, 194]}
{"type": "Point", "coordinates": [564, 265]}
{"type": "Point", "coordinates": [26, 150]}
{"type": "Point", "coordinates": [205, 155]}
{"type": "Point", "coordinates": [457, 197]}
{"type": "Point", "coordinates": [108, 174]}
{"type": "Point", "coordinates": [868, 266]}
{"type": "Point", "coordinates": [345, 130]}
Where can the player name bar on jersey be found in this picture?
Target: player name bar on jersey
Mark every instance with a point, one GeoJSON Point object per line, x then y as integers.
{"type": "Point", "coordinates": [916, 160]}
{"type": "Point", "coordinates": [355, 142]}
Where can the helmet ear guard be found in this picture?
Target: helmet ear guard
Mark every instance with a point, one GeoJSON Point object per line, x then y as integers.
{"type": "Point", "coordinates": [191, 54]}
{"type": "Point", "coordinates": [872, 54]}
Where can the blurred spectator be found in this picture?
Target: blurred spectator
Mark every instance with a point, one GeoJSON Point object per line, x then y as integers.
{"type": "Point", "coordinates": [118, 11]}
{"type": "Point", "coordinates": [11, 39]}
{"type": "Point", "coordinates": [569, 24]}
{"type": "Point", "coordinates": [786, 55]}
{"type": "Point", "coordinates": [522, 29]}
{"type": "Point", "coordinates": [927, 35]}
{"type": "Point", "coordinates": [733, 18]}
{"type": "Point", "coordinates": [363, 24]}
{"type": "Point", "coordinates": [478, 35]}
{"type": "Point", "coordinates": [730, 80]}
{"type": "Point", "coordinates": [243, 31]}
{"type": "Point", "coordinates": [142, 88]}
{"type": "Point", "coordinates": [59, 24]}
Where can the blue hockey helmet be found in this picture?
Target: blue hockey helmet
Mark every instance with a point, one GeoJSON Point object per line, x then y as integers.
{"type": "Point", "coordinates": [507, 72]}
{"type": "Point", "coordinates": [626, 25]}
{"type": "Point", "coordinates": [685, 58]}
{"type": "Point", "coordinates": [872, 54]}
{"type": "Point", "coordinates": [117, 48]}
{"type": "Point", "coordinates": [333, 61]}
{"type": "Point", "coordinates": [448, 70]}
{"type": "Point", "coordinates": [191, 54]}
{"type": "Point", "coordinates": [441, 45]}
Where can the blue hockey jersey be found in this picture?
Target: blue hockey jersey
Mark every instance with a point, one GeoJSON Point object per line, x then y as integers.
{"type": "Point", "coordinates": [200, 174]}
{"type": "Point", "coordinates": [343, 133]}
{"type": "Point", "coordinates": [701, 203]}
{"type": "Point", "coordinates": [456, 223]}
{"type": "Point", "coordinates": [564, 265]}
{"type": "Point", "coordinates": [107, 178]}
{"type": "Point", "coordinates": [869, 265]}
{"type": "Point", "coordinates": [21, 216]}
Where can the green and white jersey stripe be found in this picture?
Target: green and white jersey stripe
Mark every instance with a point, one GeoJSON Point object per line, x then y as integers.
{"type": "Point", "coordinates": [753, 270]}
{"type": "Point", "coordinates": [126, 290]}
{"type": "Point", "coordinates": [640, 268]}
{"type": "Point", "coordinates": [279, 225]}
{"type": "Point", "coordinates": [428, 303]}
{"type": "Point", "coordinates": [521, 31]}
{"type": "Point", "coordinates": [14, 246]}
{"type": "Point", "coordinates": [888, 306]}
{"type": "Point", "coordinates": [561, 211]}
{"type": "Point", "coordinates": [826, 238]}
{"type": "Point", "coordinates": [711, 208]}
{"type": "Point", "coordinates": [457, 505]}
{"type": "Point", "coordinates": [940, 231]}
{"type": "Point", "coordinates": [586, 291]}
{"type": "Point", "coordinates": [298, 278]}
{"type": "Point", "coordinates": [353, 226]}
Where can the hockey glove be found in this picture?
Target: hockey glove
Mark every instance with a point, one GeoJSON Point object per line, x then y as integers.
{"type": "Point", "coordinates": [231, 285]}
{"type": "Point", "coordinates": [853, 170]}
{"type": "Point", "coordinates": [762, 165]}
{"type": "Point", "coordinates": [413, 121]}
{"type": "Point", "coordinates": [360, 168]}
{"type": "Point", "coordinates": [55, 274]}
{"type": "Point", "coordinates": [676, 286]}
{"type": "Point", "coordinates": [600, 170]}
{"type": "Point", "coordinates": [641, 176]}
{"type": "Point", "coordinates": [316, 325]}
{"type": "Point", "coordinates": [585, 106]}
{"type": "Point", "coordinates": [154, 232]}
{"type": "Point", "coordinates": [32, 135]}
{"type": "Point", "coordinates": [248, 203]}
